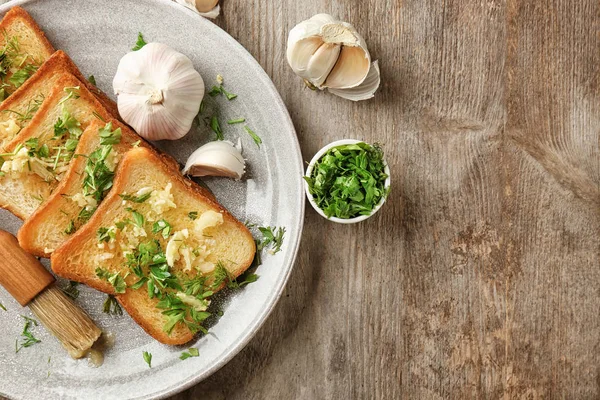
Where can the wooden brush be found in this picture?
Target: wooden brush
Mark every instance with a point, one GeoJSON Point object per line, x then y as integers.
{"type": "Point", "coordinates": [26, 279]}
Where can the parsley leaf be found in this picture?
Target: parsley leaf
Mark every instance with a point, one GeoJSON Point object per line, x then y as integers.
{"type": "Point", "coordinates": [2, 306]}
{"type": "Point", "coordinates": [236, 121]}
{"type": "Point", "coordinates": [138, 219]}
{"type": "Point", "coordinates": [216, 127]}
{"type": "Point", "coordinates": [72, 290]}
{"type": "Point", "coordinates": [192, 352]}
{"type": "Point", "coordinates": [193, 215]}
{"type": "Point", "coordinates": [115, 279]}
{"type": "Point", "coordinates": [111, 306]}
{"type": "Point", "coordinates": [71, 228]}
{"type": "Point", "coordinates": [162, 226]}
{"type": "Point", "coordinates": [148, 359]}
{"type": "Point", "coordinates": [27, 338]}
{"type": "Point", "coordinates": [348, 180]}
{"type": "Point", "coordinates": [108, 136]}
{"type": "Point", "coordinates": [139, 43]}
{"type": "Point", "coordinates": [21, 75]}
{"type": "Point", "coordinates": [217, 90]}
{"type": "Point", "coordinates": [271, 237]}
{"type": "Point", "coordinates": [136, 199]}
{"type": "Point", "coordinates": [254, 136]}
{"type": "Point", "coordinates": [92, 80]}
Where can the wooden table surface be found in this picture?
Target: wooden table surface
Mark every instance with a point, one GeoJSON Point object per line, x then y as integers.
{"type": "Point", "coordinates": [480, 277]}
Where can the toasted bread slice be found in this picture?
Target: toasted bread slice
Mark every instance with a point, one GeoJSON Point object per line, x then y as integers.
{"type": "Point", "coordinates": [18, 110]}
{"type": "Point", "coordinates": [66, 210]}
{"type": "Point", "coordinates": [22, 191]}
{"type": "Point", "coordinates": [213, 247]}
{"type": "Point", "coordinates": [25, 49]}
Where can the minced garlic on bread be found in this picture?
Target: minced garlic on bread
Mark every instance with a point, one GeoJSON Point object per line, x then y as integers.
{"type": "Point", "coordinates": [153, 222]}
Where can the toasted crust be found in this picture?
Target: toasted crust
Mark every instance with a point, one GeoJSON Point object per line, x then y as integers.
{"type": "Point", "coordinates": [74, 259]}
{"type": "Point", "coordinates": [18, 13]}
{"type": "Point", "coordinates": [44, 230]}
{"type": "Point", "coordinates": [16, 199]}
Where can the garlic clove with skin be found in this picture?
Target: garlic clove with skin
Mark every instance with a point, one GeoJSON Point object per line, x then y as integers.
{"type": "Point", "coordinates": [206, 8]}
{"type": "Point", "coordinates": [365, 90]}
{"type": "Point", "coordinates": [219, 158]}
{"type": "Point", "coordinates": [158, 92]}
{"type": "Point", "coordinates": [331, 54]}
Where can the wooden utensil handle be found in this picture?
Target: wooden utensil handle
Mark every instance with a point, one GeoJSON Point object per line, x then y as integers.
{"type": "Point", "coordinates": [21, 274]}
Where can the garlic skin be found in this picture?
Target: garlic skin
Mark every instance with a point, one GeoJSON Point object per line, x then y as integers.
{"type": "Point", "coordinates": [331, 54]}
{"type": "Point", "coordinates": [159, 92]}
{"type": "Point", "coordinates": [219, 158]}
{"type": "Point", "coordinates": [206, 8]}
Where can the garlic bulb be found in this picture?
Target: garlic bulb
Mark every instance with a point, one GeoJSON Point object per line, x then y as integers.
{"type": "Point", "coordinates": [159, 92]}
{"type": "Point", "coordinates": [330, 54]}
{"type": "Point", "coordinates": [219, 158]}
{"type": "Point", "coordinates": [206, 8]}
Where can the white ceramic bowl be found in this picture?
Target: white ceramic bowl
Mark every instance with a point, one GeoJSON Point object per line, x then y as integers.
{"type": "Point", "coordinates": [311, 200]}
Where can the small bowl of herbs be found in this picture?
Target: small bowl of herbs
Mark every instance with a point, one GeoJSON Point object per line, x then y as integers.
{"type": "Point", "coordinates": [348, 181]}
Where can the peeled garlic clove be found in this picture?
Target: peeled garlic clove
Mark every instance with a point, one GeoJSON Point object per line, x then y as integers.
{"type": "Point", "coordinates": [159, 92]}
{"type": "Point", "coordinates": [330, 54]}
{"type": "Point", "coordinates": [365, 90]}
{"type": "Point", "coordinates": [206, 8]}
{"type": "Point", "coordinates": [219, 158]}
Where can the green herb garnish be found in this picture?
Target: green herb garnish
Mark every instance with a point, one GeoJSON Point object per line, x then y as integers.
{"type": "Point", "coordinates": [193, 215]}
{"type": "Point", "coordinates": [111, 306]}
{"type": "Point", "coordinates": [139, 43]}
{"type": "Point", "coordinates": [27, 338]}
{"type": "Point", "coordinates": [192, 352]}
{"type": "Point", "coordinates": [21, 75]}
{"type": "Point", "coordinates": [106, 234]}
{"type": "Point", "coordinates": [115, 279]}
{"type": "Point", "coordinates": [72, 93]}
{"type": "Point", "coordinates": [162, 226]}
{"type": "Point", "coordinates": [2, 306]}
{"type": "Point", "coordinates": [136, 199]}
{"type": "Point", "coordinates": [148, 358]}
{"type": "Point", "coordinates": [92, 80]}
{"type": "Point", "coordinates": [70, 228]}
{"type": "Point", "coordinates": [348, 180]}
{"type": "Point", "coordinates": [254, 136]}
{"type": "Point", "coordinates": [272, 237]}
{"type": "Point", "coordinates": [72, 290]}
{"type": "Point", "coordinates": [66, 123]}
{"type": "Point", "coordinates": [108, 136]}
{"type": "Point", "coordinates": [217, 90]}
{"type": "Point", "coordinates": [31, 109]}
{"type": "Point", "coordinates": [236, 121]}
{"type": "Point", "coordinates": [216, 127]}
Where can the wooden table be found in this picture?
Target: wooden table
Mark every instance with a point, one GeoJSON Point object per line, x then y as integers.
{"type": "Point", "coordinates": [480, 278]}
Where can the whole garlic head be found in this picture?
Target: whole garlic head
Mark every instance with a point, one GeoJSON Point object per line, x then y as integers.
{"type": "Point", "coordinates": [159, 92]}
{"type": "Point", "coordinates": [206, 8]}
{"type": "Point", "coordinates": [331, 54]}
{"type": "Point", "coordinates": [219, 158]}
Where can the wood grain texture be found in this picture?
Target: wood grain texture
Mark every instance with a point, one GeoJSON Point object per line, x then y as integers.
{"type": "Point", "coordinates": [480, 277]}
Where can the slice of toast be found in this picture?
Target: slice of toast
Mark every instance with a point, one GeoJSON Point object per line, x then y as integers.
{"type": "Point", "coordinates": [23, 47]}
{"type": "Point", "coordinates": [26, 182]}
{"type": "Point", "coordinates": [18, 110]}
{"type": "Point", "coordinates": [67, 209]}
{"type": "Point", "coordinates": [143, 221]}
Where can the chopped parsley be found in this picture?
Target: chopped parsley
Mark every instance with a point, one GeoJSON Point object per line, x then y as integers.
{"type": "Point", "coordinates": [216, 127]}
{"type": "Point", "coordinates": [348, 180]}
{"type": "Point", "coordinates": [193, 215]}
{"type": "Point", "coordinates": [71, 290]}
{"type": "Point", "coordinates": [32, 107]}
{"type": "Point", "coordinates": [2, 306]}
{"type": "Point", "coordinates": [72, 93]}
{"type": "Point", "coordinates": [22, 74]}
{"type": "Point", "coordinates": [148, 359]}
{"type": "Point", "coordinates": [115, 279]}
{"type": "Point", "coordinates": [163, 227]}
{"type": "Point", "coordinates": [272, 237]}
{"type": "Point", "coordinates": [105, 235]}
{"type": "Point", "coordinates": [27, 338]}
{"type": "Point", "coordinates": [218, 90]}
{"type": "Point", "coordinates": [66, 123]}
{"type": "Point", "coordinates": [71, 228]}
{"type": "Point", "coordinates": [139, 43]}
{"type": "Point", "coordinates": [138, 219]}
{"type": "Point", "coordinates": [254, 136]}
{"type": "Point", "coordinates": [108, 135]}
{"type": "Point", "coordinates": [192, 352]}
{"type": "Point", "coordinates": [236, 121]}
{"type": "Point", "coordinates": [92, 80]}
{"type": "Point", "coordinates": [111, 306]}
{"type": "Point", "coordinates": [136, 199]}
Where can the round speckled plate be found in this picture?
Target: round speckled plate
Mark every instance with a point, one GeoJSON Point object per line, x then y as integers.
{"type": "Point", "coordinates": [96, 34]}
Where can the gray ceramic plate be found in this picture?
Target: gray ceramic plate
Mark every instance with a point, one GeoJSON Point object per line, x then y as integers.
{"type": "Point", "coordinates": [96, 33]}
